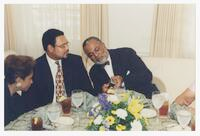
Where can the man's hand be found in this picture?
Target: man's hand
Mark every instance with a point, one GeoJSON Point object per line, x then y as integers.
{"type": "Point", "coordinates": [105, 87]}
{"type": "Point", "coordinates": [117, 80]}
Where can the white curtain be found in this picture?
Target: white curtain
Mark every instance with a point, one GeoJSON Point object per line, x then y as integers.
{"type": "Point", "coordinates": [25, 25]}
{"type": "Point", "coordinates": [94, 22]}
{"type": "Point", "coordinates": [173, 33]}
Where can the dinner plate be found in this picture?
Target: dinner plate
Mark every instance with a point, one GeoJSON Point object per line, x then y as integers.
{"type": "Point", "coordinates": [148, 113]}
{"type": "Point", "coordinates": [65, 120]}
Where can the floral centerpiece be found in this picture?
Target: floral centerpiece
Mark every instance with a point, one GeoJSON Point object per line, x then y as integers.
{"type": "Point", "coordinates": [119, 112]}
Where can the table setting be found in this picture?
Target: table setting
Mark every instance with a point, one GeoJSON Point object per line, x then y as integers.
{"type": "Point", "coordinates": [124, 110]}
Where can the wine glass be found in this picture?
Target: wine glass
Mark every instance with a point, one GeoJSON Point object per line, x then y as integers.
{"type": "Point", "coordinates": [157, 100]}
{"type": "Point", "coordinates": [77, 100]}
{"type": "Point", "coordinates": [183, 117]}
{"type": "Point", "coordinates": [53, 112]}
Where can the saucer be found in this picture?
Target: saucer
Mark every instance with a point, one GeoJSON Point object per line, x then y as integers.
{"type": "Point", "coordinates": [65, 120]}
{"type": "Point", "coordinates": [148, 113]}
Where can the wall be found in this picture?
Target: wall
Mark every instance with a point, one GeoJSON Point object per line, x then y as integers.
{"type": "Point", "coordinates": [131, 25]}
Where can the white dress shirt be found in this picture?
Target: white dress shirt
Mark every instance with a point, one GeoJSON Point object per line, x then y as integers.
{"type": "Point", "coordinates": [109, 68]}
{"type": "Point", "coordinates": [53, 67]}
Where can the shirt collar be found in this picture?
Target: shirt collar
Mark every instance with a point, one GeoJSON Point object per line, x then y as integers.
{"type": "Point", "coordinates": [52, 61]}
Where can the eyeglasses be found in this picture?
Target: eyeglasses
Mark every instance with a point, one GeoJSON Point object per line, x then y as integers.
{"type": "Point", "coordinates": [63, 45]}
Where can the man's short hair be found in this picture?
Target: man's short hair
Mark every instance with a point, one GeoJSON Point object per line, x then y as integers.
{"type": "Point", "coordinates": [90, 38]}
{"type": "Point", "coordinates": [49, 37]}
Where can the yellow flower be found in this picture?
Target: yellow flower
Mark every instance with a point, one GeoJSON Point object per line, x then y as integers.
{"type": "Point", "coordinates": [120, 127]}
{"type": "Point", "coordinates": [124, 96]}
{"type": "Point", "coordinates": [135, 107]}
{"type": "Point", "coordinates": [110, 120]}
{"type": "Point", "coordinates": [116, 102]}
{"type": "Point", "coordinates": [102, 128]}
{"type": "Point", "coordinates": [113, 112]}
{"type": "Point", "coordinates": [90, 121]}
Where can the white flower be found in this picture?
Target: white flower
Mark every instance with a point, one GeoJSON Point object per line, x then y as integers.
{"type": "Point", "coordinates": [112, 98]}
{"type": "Point", "coordinates": [136, 125]}
{"type": "Point", "coordinates": [121, 113]}
{"type": "Point", "coordinates": [98, 120]}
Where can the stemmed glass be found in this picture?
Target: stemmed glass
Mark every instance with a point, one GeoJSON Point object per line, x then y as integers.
{"type": "Point", "coordinates": [157, 100]}
{"type": "Point", "coordinates": [183, 117]}
{"type": "Point", "coordinates": [77, 100]}
{"type": "Point", "coordinates": [53, 113]}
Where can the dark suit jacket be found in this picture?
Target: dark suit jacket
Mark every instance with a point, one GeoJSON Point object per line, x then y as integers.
{"type": "Point", "coordinates": [13, 105]}
{"type": "Point", "coordinates": [42, 89]}
{"type": "Point", "coordinates": [127, 64]}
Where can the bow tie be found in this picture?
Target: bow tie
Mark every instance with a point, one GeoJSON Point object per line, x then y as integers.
{"type": "Point", "coordinates": [104, 64]}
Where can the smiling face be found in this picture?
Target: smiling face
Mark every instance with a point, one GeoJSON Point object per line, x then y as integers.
{"type": "Point", "coordinates": [96, 51]}
{"type": "Point", "coordinates": [61, 48]}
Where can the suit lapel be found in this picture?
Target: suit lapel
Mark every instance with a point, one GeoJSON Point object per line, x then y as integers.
{"type": "Point", "coordinates": [48, 75]}
{"type": "Point", "coordinates": [115, 62]}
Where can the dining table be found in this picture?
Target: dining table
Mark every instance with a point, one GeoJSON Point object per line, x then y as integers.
{"type": "Point", "coordinates": [81, 120]}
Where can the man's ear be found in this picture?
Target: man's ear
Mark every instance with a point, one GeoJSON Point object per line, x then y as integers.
{"type": "Point", "coordinates": [50, 48]}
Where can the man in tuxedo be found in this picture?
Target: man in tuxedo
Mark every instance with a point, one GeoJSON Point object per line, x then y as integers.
{"type": "Point", "coordinates": [121, 66]}
{"type": "Point", "coordinates": [56, 47]}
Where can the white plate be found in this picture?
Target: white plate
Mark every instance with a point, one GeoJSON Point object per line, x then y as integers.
{"type": "Point", "coordinates": [148, 113]}
{"type": "Point", "coordinates": [65, 120]}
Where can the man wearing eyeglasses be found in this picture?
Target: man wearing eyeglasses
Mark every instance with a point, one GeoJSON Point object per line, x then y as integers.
{"type": "Point", "coordinates": [117, 67]}
{"type": "Point", "coordinates": [46, 81]}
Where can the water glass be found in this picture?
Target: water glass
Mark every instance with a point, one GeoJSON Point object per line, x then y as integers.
{"type": "Point", "coordinates": [77, 100]}
{"type": "Point", "coordinates": [183, 117]}
{"type": "Point", "coordinates": [163, 111]}
{"type": "Point", "coordinates": [53, 112]}
{"type": "Point", "coordinates": [157, 100]}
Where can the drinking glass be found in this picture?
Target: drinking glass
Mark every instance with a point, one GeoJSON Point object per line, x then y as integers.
{"type": "Point", "coordinates": [77, 100]}
{"type": "Point", "coordinates": [66, 106]}
{"type": "Point", "coordinates": [163, 110]}
{"type": "Point", "coordinates": [36, 123]}
{"type": "Point", "coordinates": [183, 117]}
{"type": "Point", "coordinates": [157, 100]}
{"type": "Point", "coordinates": [53, 112]}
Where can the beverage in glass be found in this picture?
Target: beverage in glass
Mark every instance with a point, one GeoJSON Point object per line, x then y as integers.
{"type": "Point", "coordinates": [193, 124]}
{"type": "Point", "coordinates": [157, 100]}
{"type": "Point", "coordinates": [53, 112]}
{"type": "Point", "coordinates": [36, 123]}
{"type": "Point", "coordinates": [163, 111]}
{"type": "Point", "coordinates": [77, 100]}
{"type": "Point", "coordinates": [66, 106]}
{"type": "Point", "coordinates": [183, 117]}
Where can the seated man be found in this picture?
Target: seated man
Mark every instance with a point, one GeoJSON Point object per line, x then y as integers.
{"type": "Point", "coordinates": [122, 65]}
{"type": "Point", "coordinates": [57, 72]}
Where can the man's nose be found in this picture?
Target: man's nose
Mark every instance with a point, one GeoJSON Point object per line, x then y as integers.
{"type": "Point", "coordinates": [66, 48]}
{"type": "Point", "coordinates": [95, 54]}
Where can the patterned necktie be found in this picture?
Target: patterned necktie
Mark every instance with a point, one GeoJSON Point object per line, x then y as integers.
{"type": "Point", "coordinates": [59, 82]}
